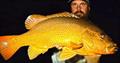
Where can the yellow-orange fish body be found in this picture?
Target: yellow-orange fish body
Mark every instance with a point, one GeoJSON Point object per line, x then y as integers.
{"type": "Point", "coordinates": [72, 35]}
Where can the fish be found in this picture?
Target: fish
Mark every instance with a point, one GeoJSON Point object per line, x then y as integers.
{"type": "Point", "coordinates": [68, 33]}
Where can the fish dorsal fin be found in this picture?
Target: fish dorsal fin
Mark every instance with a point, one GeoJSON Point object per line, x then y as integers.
{"type": "Point", "coordinates": [66, 53]}
{"type": "Point", "coordinates": [33, 20]}
{"type": "Point", "coordinates": [62, 14]}
{"type": "Point", "coordinates": [33, 52]}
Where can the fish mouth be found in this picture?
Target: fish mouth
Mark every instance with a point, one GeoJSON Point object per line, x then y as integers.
{"type": "Point", "coordinates": [111, 50]}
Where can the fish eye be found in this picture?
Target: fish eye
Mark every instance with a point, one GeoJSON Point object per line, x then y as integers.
{"type": "Point", "coordinates": [102, 36]}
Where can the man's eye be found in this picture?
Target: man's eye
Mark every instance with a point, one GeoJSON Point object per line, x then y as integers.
{"type": "Point", "coordinates": [73, 4]}
{"type": "Point", "coordinates": [83, 3]}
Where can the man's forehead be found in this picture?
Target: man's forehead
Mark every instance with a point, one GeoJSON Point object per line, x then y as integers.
{"type": "Point", "coordinates": [78, 0]}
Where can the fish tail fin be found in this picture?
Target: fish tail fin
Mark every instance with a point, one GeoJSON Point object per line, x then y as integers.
{"type": "Point", "coordinates": [2, 38]}
{"type": "Point", "coordinates": [8, 47]}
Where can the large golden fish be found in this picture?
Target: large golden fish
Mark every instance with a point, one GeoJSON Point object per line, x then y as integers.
{"type": "Point", "coordinates": [64, 31]}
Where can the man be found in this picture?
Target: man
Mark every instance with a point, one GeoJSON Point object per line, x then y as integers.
{"type": "Point", "coordinates": [81, 9]}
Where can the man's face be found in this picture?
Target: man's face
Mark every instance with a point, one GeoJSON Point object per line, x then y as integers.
{"type": "Point", "coordinates": [80, 8]}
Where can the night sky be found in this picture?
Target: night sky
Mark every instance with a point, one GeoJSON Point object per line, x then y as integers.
{"type": "Point", "coordinates": [104, 13]}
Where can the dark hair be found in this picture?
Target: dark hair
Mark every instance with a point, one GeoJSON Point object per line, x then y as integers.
{"type": "Point", "coordinates": [69, 1]}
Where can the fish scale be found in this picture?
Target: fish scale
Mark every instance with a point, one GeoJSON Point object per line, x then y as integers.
{"type": "Point", "coordinates": [70, 34]}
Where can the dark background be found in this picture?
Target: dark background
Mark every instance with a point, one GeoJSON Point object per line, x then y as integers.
{"type": "Point", "coordinates": [104, 13]}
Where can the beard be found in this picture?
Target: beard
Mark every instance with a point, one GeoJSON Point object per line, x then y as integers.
{"type": "Point", "coordinates": [80, 14]}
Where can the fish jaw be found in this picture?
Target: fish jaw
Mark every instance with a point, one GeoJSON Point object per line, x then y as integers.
{"type": "Point", "coordinates": [107, 48]}
{"type": "Point", "coordinates": [111, 49]}
{"type": "Point", "coordinates": [96, 51]}
{"type": "Point", "coordinates": [105, 51]}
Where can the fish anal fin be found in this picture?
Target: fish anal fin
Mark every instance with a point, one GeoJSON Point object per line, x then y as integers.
{"type": "Point", "coordinates": [33, 52]}
{"type": "Point", "coordinates": [66, 53]}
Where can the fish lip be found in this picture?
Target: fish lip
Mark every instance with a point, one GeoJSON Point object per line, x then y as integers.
{"type": "Point", "coordinates": [111, 51]}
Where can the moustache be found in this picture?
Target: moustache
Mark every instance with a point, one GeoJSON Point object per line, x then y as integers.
{"type": "Point", "coordinates": [79, 12]}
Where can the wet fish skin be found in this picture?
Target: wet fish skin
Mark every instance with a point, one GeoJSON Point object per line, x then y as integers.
{"type": "Point", "coordinates": [71, 35]}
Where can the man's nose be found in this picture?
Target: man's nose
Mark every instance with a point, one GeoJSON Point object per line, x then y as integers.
{"type": "Point", "coordinates": [78, 8]}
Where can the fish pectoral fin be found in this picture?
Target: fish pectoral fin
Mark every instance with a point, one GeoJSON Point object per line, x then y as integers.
{"type": "Point", "coordinates": [76, 46]}
{"type": "Point", "coordinates": [33, 52]}
{"type": "Point", "coordinates": [66, 53]}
